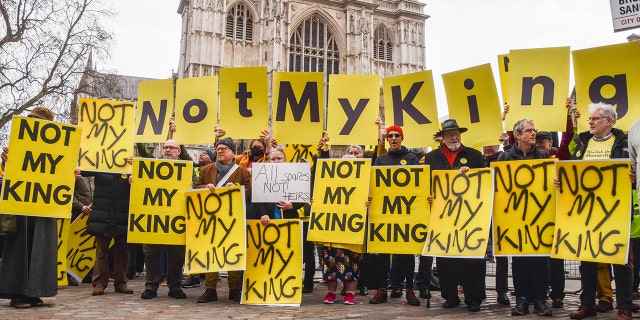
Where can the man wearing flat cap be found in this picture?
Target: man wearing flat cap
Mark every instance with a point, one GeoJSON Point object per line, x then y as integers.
{"type": "Point", "coordinates": [470, 273]}
{"type": "Point", "coordinates": [224, 173]}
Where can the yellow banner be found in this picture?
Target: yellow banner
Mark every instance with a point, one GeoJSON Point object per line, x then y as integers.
{"type": "Point", "coordinates": [461, 213]}
{"type": "Point", "coordinates": [353, 107]}
{"type": "Point", "coordinates": [524, 207]}
{"type": "Point", "coordinates": [63, 242]}
{"type": "Point", "coordinates": [274, 269]}
{"type": "Point", "coordinates": [307, 151]}
{"type": "Point", "coordinates": [156, 207]}
{"type": "Point", "coordinates": [594, 211]}
{"type": "Point", "coordinates": [410, 102]}
{"type": "Point", "coordinates": [399, 210]}
{"type": "Point", "coordinates": [81, 249]}
{"type": "Point", "coordinates": [244, 102]}
{"type": "Point", "coordinates": [539, 87]}
{"type": "Point", "coordinates": [503, 70]}
{"type": "Point", "coordinates": [298, 102]}
{"type": "Point", "coordinates": [107, 141]}
{"type": "Point", "coordinates": [154, 108]}
{"type": "Point", "coordinates": [340, 192]}
{"type": "Point", "coordinates": [39, 179]}
{"type": "Point", "coordinates": [196, 110]}
{"type": "Point", "coordinates": [609, 74]}
{"type": "Point", "coordinates": [473, 102]}
{"type": "Point", "coordinates": [216, 233]}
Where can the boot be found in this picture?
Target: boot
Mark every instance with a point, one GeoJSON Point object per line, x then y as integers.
{"type": "Point", "coordinates": [521, 308]}
{"type": "Point", "coordinates": [542, 308]}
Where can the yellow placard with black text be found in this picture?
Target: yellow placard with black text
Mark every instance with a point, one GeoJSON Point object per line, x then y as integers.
{"type": "Point", "coordinates": [153, 110]}
{"type": "Point", "coordinates": [196, 110]}
{"type": "Point", "coordinates": [399, 209]}
{"type": "Point", "coordinates": [38, 178]}
{"type": "Point", "coordinates": [274, 263]}
{"type": "Point", "coordinates": [216, 230]}
{"type": "Point", "coordinates": [460, 213]}
{"type": "Point", "coordinates": [63, 242]}
{"type": "Point", "coordinates": [107, 141]}
{"type": "Point", "coordinates": [81, 249]}
{"type": "Point", "coordinates": [524, 207]}
{"type": "Point", "coordinates": [594, 211]}
{"type": "Point", "coordinates": [503, 70]}
{"type": "Point", "coordinates": [156, 207]}
{"type": "Point", "coordinates": [244, 101]}
{"type": "Point", "coordinates": [340, 192]}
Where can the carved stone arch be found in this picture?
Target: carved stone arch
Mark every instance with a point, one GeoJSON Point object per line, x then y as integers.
{"type": "Point", "coordinates": [333, 25]}
{"type": "Point", "coordinates": [255, 15]}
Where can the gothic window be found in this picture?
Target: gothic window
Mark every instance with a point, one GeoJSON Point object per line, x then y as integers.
{"type": "Point", "coordinates": [313, 48]}
{"type": "Point", "coordinates": [239, 23]}
{"type": "Point", "coordinates": [382, 44]}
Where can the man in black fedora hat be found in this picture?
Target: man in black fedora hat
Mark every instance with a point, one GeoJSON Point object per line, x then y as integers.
{"type": "Point", "coordinates": [469, 272]}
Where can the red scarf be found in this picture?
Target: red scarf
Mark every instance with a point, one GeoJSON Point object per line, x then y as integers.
{"type": "Point", "coordinates": [451, 155]}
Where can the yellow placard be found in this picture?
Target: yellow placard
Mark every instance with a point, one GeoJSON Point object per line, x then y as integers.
{"type": "Point", "coordinates": [274, 263]}
{"type": "Point", "coordinates": [216, 233]}
{"type": "Point", "coordinates": [107, 141]}
{"type": "Point", "coordinates": [503, 70]}
{"type": "Point", "coordinates": [461, 213]}
{"type": "Point", "coordinates": [399, 209]}
{"type": "Point", "coordinates": [244, 101]}
{"type": "Point", "coordinates": [63, 241]}
{"type": "Point", "coordinates": [340, 192]}
{"type": "Point", "coordinates": [594, 211]}
{"type": "Point", "coordinates": [38, 179]}
{"type": "Point", "coordinates": [156, 207]}
{"type": "Point", "coordinates": [196, 110]}
{"type": "Point", "coordinates": [306, 151]}
{"type": "Point", "coordinates": [538, 87]}
{"type": "Point", "coordinates": [608, 74]}
{"type": "Point", "coordinates": [154, 108]}
{"type": "Point", "coordinates": [524, 206]}
{"type": "Point", "coordinates": [473, 102]}
{"type": "Point", "coordinates": [353, 107]}
{"type": "Point", "coordinates": [81, 249]}
{"type": "Point", "coordinates": [298, 102]}
{"type": "Point", "coordinates": [410, 102]}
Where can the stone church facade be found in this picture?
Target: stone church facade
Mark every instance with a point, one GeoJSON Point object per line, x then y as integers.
{"type": "Point", "coordinates": [384, 37]}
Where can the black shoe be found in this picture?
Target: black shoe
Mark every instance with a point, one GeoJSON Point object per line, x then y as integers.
{"type": "Point", "coordinates": [177, 294]}
{"type": "Point", "coordinates": [192, 282]}
{"type": "Point", "coordinates": [379, 297]}
{"type": "Point", "coordinates": [474, 307]}
{"type": "Point", "coordinates": [396, 293]}
{"type": "Point", "coordinates": [451, 304]}
{"type": "Point", "coordinates": [541, 307]}
{"type": "Point", "coordinates": [364, 291]}
{"type": "Point", "coordinates": [425, 293]}
{"type": "Point", "coordinates": [235, 295]}
{"type": "Point", "coordinates": [148, 294]}
{"type": "Point", "coordinates": [307, 289]}
{"type": "Point", "coordinates": [521, 308]}
{"type": "Point", "coordinates": [557, 303]}
{"type": "Point", "coordinates": [411, 298]}
{"type": "Point", "coordinates": [503, 299]}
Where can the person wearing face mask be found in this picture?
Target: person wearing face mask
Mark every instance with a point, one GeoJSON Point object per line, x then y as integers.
{"type": "Point", "coordinates": [258, 151]}
{"type": "Point", "coordinates": [470, 273]}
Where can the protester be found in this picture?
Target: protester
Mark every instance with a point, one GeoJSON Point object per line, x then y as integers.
{"type": "Point", "coordinates": [530, 274]}
{"type": "Point", "coordinates": [469, 272]}
{"type": "Point", "coordinates": [224, 173]}
{"type": "Point", "coordinates": [603, 141]}
{"type": "Point", "coordinates": [404, 264]}
{"type": "Point", "coordinates": [29, 259]}
{"type": "Point", "coordinates": [175, 253]}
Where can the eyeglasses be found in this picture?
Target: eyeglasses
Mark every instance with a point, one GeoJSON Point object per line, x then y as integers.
{"type": "Point", "coordinates": [222, 149]}
{"type": "Point", "coordinates": [170, 148]}
{"type": "Point", "coordinates": [529, 130]}
{"type": "Point", "coordinates": [594, 119]}
{"type": "Point", "coordinates": [394, 135]}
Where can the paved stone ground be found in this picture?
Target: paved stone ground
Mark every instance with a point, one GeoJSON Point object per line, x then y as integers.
{"type": "Point", "coordinates": [78, 303]}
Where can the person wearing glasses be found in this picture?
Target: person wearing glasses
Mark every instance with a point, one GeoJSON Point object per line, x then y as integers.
{"type": "Point", "coordinates": [224, 172]}
{"type": "Point", "coordinates": [530, 274]}
{"type": "Point", "coordinates": [603, 141]}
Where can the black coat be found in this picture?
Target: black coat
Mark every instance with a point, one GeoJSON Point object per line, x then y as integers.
{"type": "Point", "coordinates": [110, 210]}
{"type": "Point", "coordinates": [467, 157]}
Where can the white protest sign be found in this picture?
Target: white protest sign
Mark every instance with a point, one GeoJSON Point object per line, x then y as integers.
{"type": "Point", "coordinates": [272, 182]}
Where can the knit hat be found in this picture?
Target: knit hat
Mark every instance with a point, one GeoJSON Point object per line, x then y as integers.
{"type": "Point", "coordinates": [397, 129]}
{"type": "Point", "coordinates": [229, 143]}
{"type": "Point", "coordinates": [41, 112]}
{"type": "Point", "coordinates": [211, 155]}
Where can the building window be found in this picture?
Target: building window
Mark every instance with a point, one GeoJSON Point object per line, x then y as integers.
{"type": "Point", "coordinates": [239, 23]}
{"type": "Point", "coordinates": [313, 48]}
{"type": "Point", "coordinates": [382, 44]}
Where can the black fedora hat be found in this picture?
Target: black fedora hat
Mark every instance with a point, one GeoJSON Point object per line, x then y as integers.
{"type": "Point", "coordinates": [450, 124]}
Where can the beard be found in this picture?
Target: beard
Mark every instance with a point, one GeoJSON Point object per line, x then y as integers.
{"type": "Point", "coordinates": [453, 146]}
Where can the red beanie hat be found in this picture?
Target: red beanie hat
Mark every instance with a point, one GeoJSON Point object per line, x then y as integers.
{"type": "Point", "coordinates": [396, 128]}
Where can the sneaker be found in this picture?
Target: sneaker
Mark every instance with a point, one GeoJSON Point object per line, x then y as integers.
{"type": "Point", "coordinates": [349, 298]}
{"type": "Point", "coordinates": [541, 307]}
{"type": "Point", "coordinates": [521, 308]}
{"type": "Point", "coordinates": [396, 293]}
{"type": "Point", "coordinates": [583, 312]}
{"type": "Point", "coordinates": [330, 298]}
{"type": "Point", "coordinates": [379, 297]}
{"type": "Point", "coordinates": [177, 294]}
{"type": "Point", "coordinates": [557, 303]}
{"type": "Point", "coordinates": [603, 306]}
{"type": "Point", "coordinates": [503, 299]}
{"type": "Point", "coordinates": [364, 291]}
{"type": "Point", "coordinates": [411, 298]}
{"type": "Point", "coordinates": [192, 282]}
{"type": "Point", "coordinates": [148, 294]}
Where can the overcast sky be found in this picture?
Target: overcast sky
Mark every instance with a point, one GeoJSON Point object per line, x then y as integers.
{"type": "Point", "coordinates": [459, 34]}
